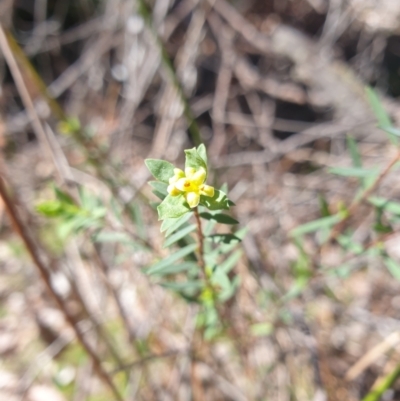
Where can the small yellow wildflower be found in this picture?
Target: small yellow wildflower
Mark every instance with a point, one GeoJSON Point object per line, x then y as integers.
{"type": "Point", "coordinates": [191, 184]}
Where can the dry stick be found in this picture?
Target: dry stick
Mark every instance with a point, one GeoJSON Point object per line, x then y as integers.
{"type": "Point", "coordinates": [26, 99]}
{"type": "Point", "coordinates": [37, 126]}
{"type": "Point", "coordinates": [10, 48]}
{"type": "Point", "coordinates": [22, 231]}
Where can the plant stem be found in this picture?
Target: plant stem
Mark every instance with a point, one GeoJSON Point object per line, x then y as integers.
{"type": "Point", "coordinates": [22, 231]}
{"type": "Point", "coordinates": [383, 384]}
{"type": "Point", "coordinates": [200, 235]}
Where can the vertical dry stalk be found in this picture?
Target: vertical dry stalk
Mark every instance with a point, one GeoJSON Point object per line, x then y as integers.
{"type": "Point", "coordinates": [21, 229]}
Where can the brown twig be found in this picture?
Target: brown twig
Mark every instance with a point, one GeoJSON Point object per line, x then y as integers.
{"type": "Point", "coordinates": [22, 230]}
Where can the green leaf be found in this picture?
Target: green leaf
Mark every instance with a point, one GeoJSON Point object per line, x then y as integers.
{"type": "Point", "coordinates": [64, 197]}
{"type": "Point", "coordinates": [393, 267]}
{"type": "Point", "coordinates": [219, 217]}
{"type": "Point", "coordinates": [227, 293]}
{"type": "Point", "coordinates": [381, 115]}
{"type": "Point", "coordinates": [296, 289]}
{"type": "Point", "coordinates": [224, 238]}
{"type": "Point", "coordinates": [346, 242]}
{"type": "Point", "coordinates": [172, 207]}
{"type": "Point", "coordinates": [88, 201]}
{"type": "Point", "coordinates": [354, 152]}
{"type": "Point", "coordinates": [226, 248]}
{"type": "Point", "coordinates": [217, 202]}
{"type": "Point", "coordinates": [391, 130]}
{"type": "Point", "coordinates": [137, 217]}
{"type": "Point", "coordinates": [324, 206]}
{"type": "Point", "coordinates": [161, 169]}
{"type": "Point", "coordinates": [221, 279]}
{"type": "Point", "coordinates": [160, 189]}
{"type": "Point", "coordinates": [193, 159]}
{"type": "Point", "coordinates": [171, 225]}
{"type": "Point", "coordinates": [56, 208]}
{"type": "Point", "coordinates": [376, 105]}
{"type": "Point", "coordinates": [385, 204]}
{"type": "Point", "coordinates": [176, 268]}
{"type": "Point", "coordinates": [184, 286]}
{"type": "Point", "coordinates": [202, 152]}
{"type": "Point", "coordinates": [158, 267]}
{"type": "Point", "coordinates": [109, 236]}
{"type": "Point", "coordinates": [228, 264]}
{"type": "Point", "coordinates": [52, 208]}
{"type": "Point", "coordinates": [179, 235]}
{"type": "Point", "coordinates": [312, 226]}
{"type": "Point", "coordinates": [358, 172]}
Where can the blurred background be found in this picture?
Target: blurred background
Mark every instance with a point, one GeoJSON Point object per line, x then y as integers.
{"type": "Point", "coordinates": [91, 88]}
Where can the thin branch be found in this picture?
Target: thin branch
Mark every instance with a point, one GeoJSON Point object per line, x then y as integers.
{"type": "Point", "coordinates": [22, 230]}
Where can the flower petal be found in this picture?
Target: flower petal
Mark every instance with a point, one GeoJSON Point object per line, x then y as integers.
{"type": "Point", "coordinates": [178, 173]}
{"type": "Point", "coordinates": [193, 199]}
{"type": "Point", "coordinates": [198, 177]}
{"type": "Point", "coordinates": [189, 172]}
{"type": "Point", "coordinates": [183, 184]}
{"type": "Point", "coordinates": [207, 190]}
{"type": "Point", "coordinates": [173, 190]}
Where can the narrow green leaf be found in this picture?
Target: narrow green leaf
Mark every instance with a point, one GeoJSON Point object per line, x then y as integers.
{"type": "Point", "coordinates": [347, 243]}
{"type": "Point", "coordinates": [312, 226]}
{"type": "Point", "coordinates": [357, 172]}
{"type": "Point", "coordinates": [51, 208]}
{"type": "Point", "coordinates": [109, 236]}
{"type": "Point", "coordinates": [64, 197]}
{"type": "Point", "coordinates": [323, 206]}
{"type": "Point", "coordinates": [385, 204]}
{"type": "Point", "coordinates": [391, 130]}
{"type": "Point", "coordinates": [171, 225]}
{"type": "Point", "coordinates": [179, 235]}
{"type": "Point", "coordinates": [377, 107]}
{"type": "Point", "coordinates": [224, 238]}
{"type": "Point", "coordinates": [219, 217]}
{"type": "Point", "coordinates": [381, 115]}
{"type": "Point", "coordinates": [354, 152]}
{"type": "Point", "coordinates": [137, 217]}
{"type": "Point", "coordinates": [226, 248]}
{"type": "Point", "coordinates": [224, 295]}
{"type": "Point", "coordinates": [161, 169]}
{"type": "Point", "coordinates": [172, 207]}
{"type": "Point", "coordinates": [221, 279]}
{"type": "Point", "coordinates": [157, 267]}
{"type": "Point", "coordinates": [184, 286]}
{"type": "Point", "coordinates": [176, 268]}
{"type": "Point", "coordinates": [227, 265]}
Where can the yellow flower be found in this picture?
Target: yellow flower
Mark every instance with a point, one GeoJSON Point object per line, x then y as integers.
{"type": "Point", "coordinates": [191, 184]}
